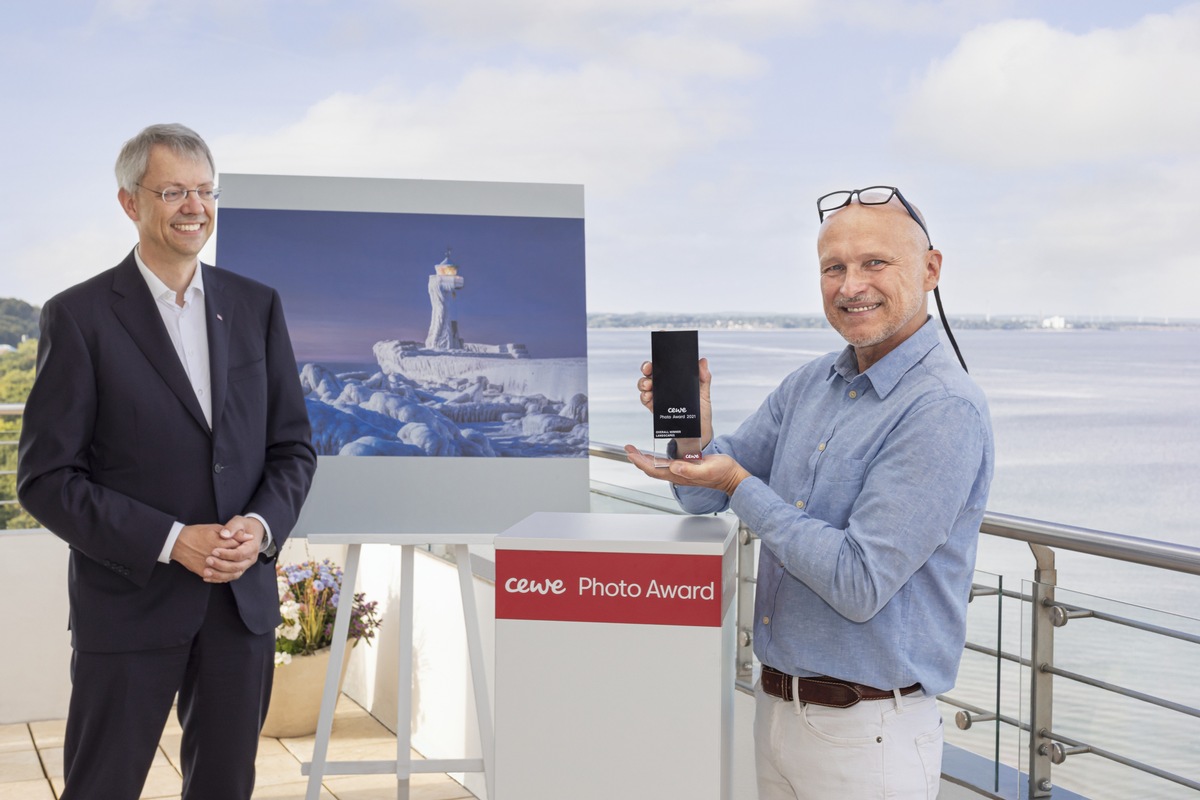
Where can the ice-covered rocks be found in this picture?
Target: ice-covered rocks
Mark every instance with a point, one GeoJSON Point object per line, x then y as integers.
{"type": "Point", "coordinates": [577, 408]}
{"type": "Point", "coordinates": [446, 410]}
{"type": "Point", "coordinates": [316, 379]}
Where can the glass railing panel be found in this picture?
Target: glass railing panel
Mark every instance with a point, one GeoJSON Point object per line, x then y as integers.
{"type": "Point", "coordinates": [608, 498]}
{"type": "Point", "coordinates": [979, 713]}
{"type": "Point", "coordinates": [12, 516]}
{"type": "Point", "coordinates": [1125, 716]}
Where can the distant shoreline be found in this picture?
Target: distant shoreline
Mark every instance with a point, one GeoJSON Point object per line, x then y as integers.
{"type": "Point", "coordinates": [760, 322]}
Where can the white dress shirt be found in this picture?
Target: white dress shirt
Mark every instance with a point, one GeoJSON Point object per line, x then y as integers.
{"type": "Point", "coordinates": [189, 334]}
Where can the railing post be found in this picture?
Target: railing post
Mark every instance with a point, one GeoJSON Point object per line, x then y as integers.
{"type": "Point", "coordinates": [745, 604]}
{"type": "Point", "coordinates": [1041, 682]}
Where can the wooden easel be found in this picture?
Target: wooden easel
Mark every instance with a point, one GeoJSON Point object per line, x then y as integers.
{"type": "Point", "coordinates": [403, 766]}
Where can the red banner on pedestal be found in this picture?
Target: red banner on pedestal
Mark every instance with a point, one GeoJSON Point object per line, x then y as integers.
{"type": "Point", "coordinates": [632, 588]}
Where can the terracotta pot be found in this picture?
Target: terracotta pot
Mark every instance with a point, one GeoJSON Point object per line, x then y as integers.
{"type": "Point", "coordinates": [296, 694]}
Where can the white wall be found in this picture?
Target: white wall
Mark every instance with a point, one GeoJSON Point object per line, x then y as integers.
{"type": "Point", "coordinates": [35, 671]}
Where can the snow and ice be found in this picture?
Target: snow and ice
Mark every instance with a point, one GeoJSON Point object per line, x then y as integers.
{"type": "Point", "coordinates": [476, 407]}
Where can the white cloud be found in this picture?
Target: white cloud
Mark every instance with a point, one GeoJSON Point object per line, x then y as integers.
{"type": "Point", "coordinates": [1023, 94]}
{"type": "Point", "coordinates": [922, 17]}
{"type": "Point", "coordinates": [536, 18]}
{"type": "Point", "coordinates": [136, 10]}
{"type": "Point", "coordinates": [705, 38]}
{"type": "Point", "coordinates": [1123, 242]}
{"type": "Point", "coordinates": [689, 56]}
{"type": "Point", "coordinates": [127, 9]}
{"type": "Point", "coordinates": [605, 127]}
{"type": "Point", "coordinates": [1077, 156]}
{"type": "Point", "coordinates": [1115, 243]}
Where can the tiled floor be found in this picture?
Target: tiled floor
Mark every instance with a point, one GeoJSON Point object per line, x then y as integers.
{"type": "Point", "coordinates": [31, 763]}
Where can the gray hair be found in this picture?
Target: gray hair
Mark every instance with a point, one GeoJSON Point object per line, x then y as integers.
{"type": "Point", "coordinates": [135, 154]}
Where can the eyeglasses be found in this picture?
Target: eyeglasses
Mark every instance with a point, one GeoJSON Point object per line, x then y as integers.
{"type": "Point", "coordinates": [174, 195]}
{"type": "Point", "coordinates": [870, 196]}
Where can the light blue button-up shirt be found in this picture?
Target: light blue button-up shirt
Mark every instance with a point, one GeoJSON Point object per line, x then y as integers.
{"type": "Point", "coordinates": [868, 493]}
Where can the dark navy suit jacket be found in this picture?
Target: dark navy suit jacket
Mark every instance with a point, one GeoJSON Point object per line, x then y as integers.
{"type": "Point", "coordinates": [115, 448]}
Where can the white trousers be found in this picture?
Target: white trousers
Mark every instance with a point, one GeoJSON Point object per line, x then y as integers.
{"type": "Point", "coordinates": [874, 750]}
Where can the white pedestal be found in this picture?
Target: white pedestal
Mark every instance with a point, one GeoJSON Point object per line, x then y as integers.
{"type": "Point", "coordinates": [614, 657]}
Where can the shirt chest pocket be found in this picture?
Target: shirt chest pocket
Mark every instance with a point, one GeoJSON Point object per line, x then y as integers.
{"type": "Point", "coordinates": [836, 469]}
{"type": "Point", "coordinates": [837, 485]}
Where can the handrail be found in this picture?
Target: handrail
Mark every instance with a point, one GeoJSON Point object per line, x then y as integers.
{"type": "Point", "coordinates": [1134, 549]}
{"type": "Point", "coordinates": [10, 409]}
{"type": "Point", "coordinates": [609, 451]}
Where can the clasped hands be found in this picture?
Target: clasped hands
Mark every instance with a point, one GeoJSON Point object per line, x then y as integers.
{"type": "Point", "coordinates": [714, 472]}
{"type": "Point", "coordinates": [219, 553]}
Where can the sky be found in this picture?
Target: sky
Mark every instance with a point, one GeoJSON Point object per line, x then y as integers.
{"type": "Point", "coordinates": [1054, 147]}
{"type": "Point", "coordinates": [521, 278]}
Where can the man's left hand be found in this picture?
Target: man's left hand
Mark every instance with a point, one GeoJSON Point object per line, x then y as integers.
{"type": "Point", "coordinates": [714, 472]}
{"type": "Point", "coordinates": [244, 535]}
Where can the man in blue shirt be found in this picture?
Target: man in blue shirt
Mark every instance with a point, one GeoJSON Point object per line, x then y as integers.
{"type": "Point", "coordinates": [865, 474]}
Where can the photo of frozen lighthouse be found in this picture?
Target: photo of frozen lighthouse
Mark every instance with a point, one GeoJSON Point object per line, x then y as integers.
{"type": "Point", "coordinates": [417, 334]}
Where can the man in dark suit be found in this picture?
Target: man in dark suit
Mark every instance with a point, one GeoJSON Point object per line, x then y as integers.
{"type": "Point", "coordinates": [166, 441]}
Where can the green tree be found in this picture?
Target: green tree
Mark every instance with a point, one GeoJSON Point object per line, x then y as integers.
{"type": "Point", "coordinates": [16, 372]}
{"type": "Point", "coordinates": [18, 320]}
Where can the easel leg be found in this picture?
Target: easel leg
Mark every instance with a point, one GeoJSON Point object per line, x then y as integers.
{"type": "Point", "coordinates": [483, 709]}
{"type": "Point", "coordinates": [341, 631]}
{"type": "Point", "coordinates": [405, 678]}
{"type": "Point", "coordinates": [403, 764]}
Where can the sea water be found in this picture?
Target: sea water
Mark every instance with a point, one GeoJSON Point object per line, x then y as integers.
{"type": "Point", "coordinates": [1093, 428]}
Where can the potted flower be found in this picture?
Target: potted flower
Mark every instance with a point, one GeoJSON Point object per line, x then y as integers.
{"type": "Point", "coordinates": [309, 599]}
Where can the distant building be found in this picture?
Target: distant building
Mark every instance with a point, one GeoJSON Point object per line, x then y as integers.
{"type": "Point", "coordinates": [1055, 323]}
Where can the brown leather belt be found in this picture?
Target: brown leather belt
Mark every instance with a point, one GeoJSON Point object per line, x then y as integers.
{"type": "Point", "coordinates": [823, 691]}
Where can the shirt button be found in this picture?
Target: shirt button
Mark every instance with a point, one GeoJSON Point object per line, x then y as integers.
{"type": "Point", "coordinates": [853, 394]}
{"type": "Point", "coordinates": [218, 467]}
{"type": "Point", "coordinates": [766, 620]}
{"type": "Point", "coordinates": [799, 504]}
{"type": "Point", "coordinates": [821, 447]}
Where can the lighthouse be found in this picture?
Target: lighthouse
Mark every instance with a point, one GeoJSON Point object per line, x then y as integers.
{"type": "Point", "coordinates": [444, 284]}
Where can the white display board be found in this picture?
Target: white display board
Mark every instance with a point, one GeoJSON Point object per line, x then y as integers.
{"type": "Point", "coordinates": [440, 335]}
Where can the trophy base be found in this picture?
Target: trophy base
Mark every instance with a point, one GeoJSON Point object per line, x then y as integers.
{"type": "Point", "coordinates": [685, 450]}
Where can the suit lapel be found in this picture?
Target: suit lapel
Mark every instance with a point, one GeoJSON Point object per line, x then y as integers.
{"type": "Point", "coordinates": [217, 311]}
{"type": "Point", "coordinates": [137, 313]}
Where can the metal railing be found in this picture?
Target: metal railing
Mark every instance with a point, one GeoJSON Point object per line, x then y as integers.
{"type": "Point", "coordinates": [8, 441]}
{"type": "Point", "coordinates": [1047, 746]}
